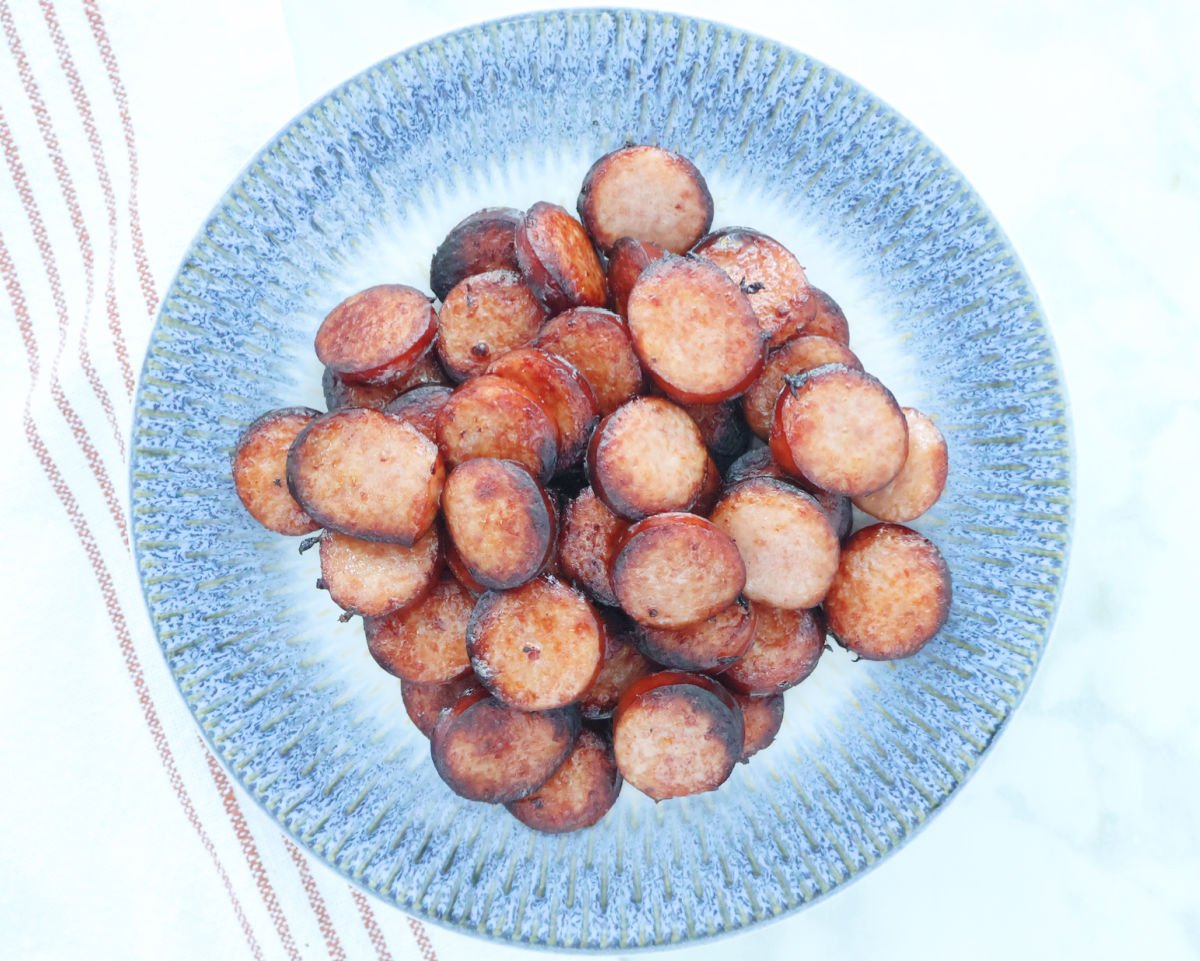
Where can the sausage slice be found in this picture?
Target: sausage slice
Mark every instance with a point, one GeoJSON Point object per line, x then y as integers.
{"type": "Point", "coordinates": [563, 393]}
{"type": "Point", "coordinates": [596, 342]}
{"type": "Point", "coordinates": [343, 393]}
{"type": "Point", "coordinates": [647, 457]}
{"type": "Point", "coordinates": [755, 463]}
{"type": "Point", "coordinates": [372, 578]}
{"type": "Point", "coordinates": [480, 242]}
{"type": "Point", "coordinates": [623, 664]}
{"type": "Point", "coordinates": [537, 647]}
{"type": "Point", "coordinates": [828, 319]}
{"type": "Point", "coordinates": [260, 470]}
{"type": "Point", "coordinates": [794, 357]}
{"type": "Point", "coordinates": [785, 539]}
{"type": "Point", "coordinates": [762, 718]}
{"type": "Point", "coordinates": [626, 261]}
{"type": "Point", "coordinates": [491, 416]}
{"type": "Point", "coordinates": [787, 646]}
{"type": "Point", "coordinates": [367, 474]}
{"type": "Point", "coordinates": [424, 703]}
{"type": "Point", "coordinates": [484, 317]}
{"type": "Point", "coordinates": [558, 260]}
{"type": "Point", "coordinates": [578, 794]}
{"type": "Point", "coordinates": [676, 734]}
{"type": "Point", "coordinates": [487, 751]}
{"type": "Point", "coordinates": [589, 536]}
{"type": "Point", "coordinates": [694, 331]}
{"type": "Point", "coordinates": [768, 273]}
{"type": "Point", "coordinates": [378, 334]}
{"type": "Point", "coordinates": [456, 566]}
{"type": "Point", "coordinates": [420, 408]}
{"type": "Point", "coordinates": [648, 193]}
{"type": "Point", "coordinates": [501, 522]}
{"type": "Point", "coordinates": [710, 489]}
{"type": "Point", "coordinates": [722, 428]}
{"type": "Point", "coordinates": [891, 594]}
{"type": "Point", "coordinates": [840, 429]}
{"type": "Point", "coordinates": [427, 641]}
{"type": "Point", "coordinates": [921, 480]}
{"type": "Point", "coordinates": [760, 463]}
{"type": "Point", "coordinates": [674, 570]}
{"type": "Point", "coordinates": [710, 646]}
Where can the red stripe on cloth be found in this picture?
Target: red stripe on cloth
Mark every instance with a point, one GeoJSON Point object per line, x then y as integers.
{"type": "Point", "coordinates": [250, 850]}
{"type": "Point", "coordinates": [104, 45]}
{"type": "Point", "coordinates": [116, 617]}
{"type": "Point", "coordinates": [96, 22]}
{"type": "Point", "coordinates": [316, 902]}
{"type": "Point", "coordinates": [17, 171]}
{"type": "Point", "coordinates": [374, 932]}
{"type": "Point", "coordinates": [83, 106]}
{"type": "Point", "coordinates": [50, 139]}
{"type": "Point", "coordinates": [422, 937]}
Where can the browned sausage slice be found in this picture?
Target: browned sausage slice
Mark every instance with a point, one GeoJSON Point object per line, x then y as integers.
{"type": "Point", "coordinates": [828, 320]}
{"type": "Point", "coordinates": [484, 317]}
{"type": "Point", "coordinates": [626, 261]}
{"type": "Point", "coordinates": [373, 578]}
{"type": "Point", "coordinates": [558, 260]}
{"type": "Point", "coordinates": [768, 273]}
{"type": "Point", "coordinates": [343, 393]}
{"type": "Point", "coordinates": [420, 408]}
{"type": "Point", "coordinates": [840, 429]}
{"type": "Point", "coordinates": [378, 334]}
{"type": "Point", "coordinates": [838, 509]}
{"type": "Point", "coordinates": [648, 193]}
{"type": "Point", "coordinates": [786, 541]}
{"type": "Point", "coordinates": [537, 647]}
{"type": "Point", "coordinates": [921, 480]}
{"type": "Point", "coordinates": [694, 332]}
{"type": "Point", "coordinates": [562, 391]}
{"type": "Point", "coordinates": [501, 522]}
{"type": "Point", "coordinates": [647, 457]}
{"type": "Point", "coordinates": [760, 463]}
{"type": "Point", "coordinates": [364, 473]}
{"type": "Point", "coordinates": [487, 751]}
{"type": "Point", "coordinates": [260, 470]}
{"type": "Point", "coordinates": [891, 594]}
{"type": "Point", "coordinates": [676, 734]}
{"type": "Point", "coordinates": [578, 794]}
{"type": "Point", "coordinates": [491, 416]}
{"type": "Point", "coordinates": [794, 357]}
{"type": "Point", "coordinates": [675, 569]}
{"type": "Point", "coordinates": [597, 343]}
{"type": "Point", "coordinates": [424, 703]}
{"type": "Point", "coordinates": [480, 242]}
{"type": "Point", "coordinates": [710, 490]}
{"type": "Point", "coordinates": [623, 664]}
{"type": "Point", "coordinates": [458, 568]}
{"type": "Point", "coordinates": [755, 463]}
{"type": "Point", "coordinates": [787, 646]}
{"type": "Point", "coordinates": [763, 717]}
{"type": "Point", "coordinates": [427, 641]}
{"type": "Point", "coordinates": [587, 544]}
{"type": "Point", "coordinates": [722, 427]}
{"type": "Point", "coordinates": [710, 646]}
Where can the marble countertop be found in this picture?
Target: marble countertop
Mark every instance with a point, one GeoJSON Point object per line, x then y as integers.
{"type": "Point", "coordinates": [1079, 124]}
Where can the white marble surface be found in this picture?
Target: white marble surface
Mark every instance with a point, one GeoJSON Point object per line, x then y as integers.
{"type": "Point", "coordinates": [1079, 123]}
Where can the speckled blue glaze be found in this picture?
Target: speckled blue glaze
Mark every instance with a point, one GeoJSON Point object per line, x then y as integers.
{"type": "Point", "coordinates": [359, 190]}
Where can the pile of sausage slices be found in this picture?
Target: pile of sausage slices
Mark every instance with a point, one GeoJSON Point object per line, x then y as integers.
{"type": "Point", "coordinates": [595, 508]}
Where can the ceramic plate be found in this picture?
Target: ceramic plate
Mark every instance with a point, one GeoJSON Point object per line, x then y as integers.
{"type": "Point", "coordinates": [359, 190]}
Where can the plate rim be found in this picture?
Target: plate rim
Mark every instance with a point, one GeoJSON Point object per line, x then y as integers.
{"type": "Point", "coordinates": [1067, 460]}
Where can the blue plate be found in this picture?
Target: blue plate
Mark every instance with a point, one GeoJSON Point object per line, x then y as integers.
{"type": "Point", "coordinates": [359, 190]}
